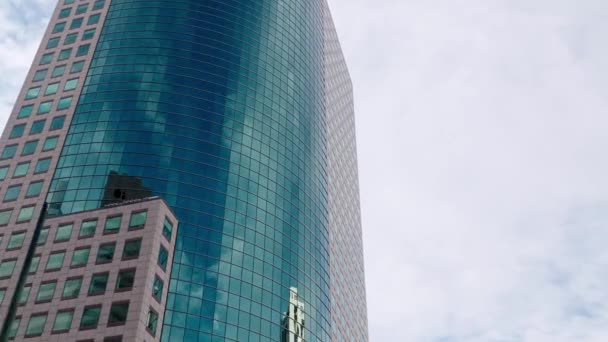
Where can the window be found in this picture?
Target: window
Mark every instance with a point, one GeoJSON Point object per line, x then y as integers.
{"type": "Point", "coordinates": [12, 193]}
{"type": "Point", "coordinates": [77, 67]}
{"type": "Point", "coordinates": [25, 111]}
{"type": "Point", "coordinates": [112, 225]}
{"type": "Point", "coordinates": [46, 291]}
{"type": "Point", "coordinates": [83, 50]}
{"type": "Point", "coordinates": [53, 42]}
{"type": "Point", "coordinates": [70, 39]}
{"type": "Point", "coordinates": [157, 288]}
{"type": "Point", "coordinates": [64, 232]}
{"type": "Point", "coordinates": [94, 19]}
{"type": "Point", "coordinates": [131, 249]}
{"type": "Point", "coordinates": [44, 234]}
{"type": "Point", "coordinates": [45, 107]}
{"type": "Point", "coordinates": [117, 338]}
{"type": "Point", "coordinates": [105, 253]}
{"type": "Point", "coordinates": [32, 93]}
{"type": "Point", "coordinates": [152, 322]}
{"type": "Point", "coordinates": [51, 89]}
{"type": "Point", "coordinates": [81, 8]}
{"type": "Point", "coordinates": [58, 71]}
{"type": "Point", "coordinates": [29, 147]}
{"type": "Point", "coordinates": [36, 325]}
{"type": "Point", "coordinates": [98, 284]}
{"type": "Point", "coordinates": [17, 131]}
{"type": "Point", "coordinates": [12, 330]}
{"type": "Point", "coordinates": [3, 172]}
{"type": "Point", "coordinates": [125, 280]}
{"type": "Point", "coordinates": [37, 127]}
{"type": "Point", "coordinates": [64, 54]}
{"type": "Point", "coordinates": [88, 34]}
{"type": "Point", "coordinates": [90, 317]}
{"type": "Point", "coordinates": [57, 123]}
{"type": "Point", "coordinates": [63, 321]}
{"type": "Point", "coordinates": [8, 152]}
{"type": "Point", "coordinates": [40, 75]}
{"type": "Point", "coordinates": [16, 240]}
{"type": "Point", "coordinates": [87, 229]}
{"type": "Point", "coordinates": [71, 288]}
{"type": "Point", "coordinates": [47, 58]}
{"type": "Point", "coordinates": [50, 143]}
{"type": "Point", "coordinates": [21, 169]}
{"type": "Point", "coordinates": [6, 268]}
{"type": "Point", "coordinates": [64, 13]}
{"type": "Point", "coordinates": [2, 294]}
{"type": "Point", "coordinates": [34, 189]}
{"type": "Point", "coordinates": [42, 165]}
{"type": "Point", "coordinates": [68, 2]}
{"type": "Point", "coordinates": [34, 264]}
{"type": "Point", "coordinates": [76, 23]}
{"type": "Point", "coordinates": [25, 214]}
{"type": "Point", "coordinates": [24, 294]}
{"type": "Point", "coordinates": [118, 313]}
{"type": "Point", "coordinates": [138, 220]}
{"type": "Point", "coordinates": [55, 261]}
{"type": "Point", "coordinates": [80, 257]}
{"type": "Point", "coordinates": [5, 216]}
{"type": "Point", "coordinates": [59, 27]}
{"type": "Point", "coordinates": [98, 4]}
{"type": "Point", "coordinates": [70, 84]}
{"type": "Point", "coordinates": [64, 103]}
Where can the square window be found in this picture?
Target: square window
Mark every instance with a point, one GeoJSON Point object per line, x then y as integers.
{"type": "Point", "coordinates": [5, 216]}
{"type": "Point", "coordinates": [118, 313]}
{"type": "Point", "coordinates": [8, 152]}
{"type": "Point", "coordinates": [98, 284]}
{"type": "Point", "coordinates": [81, 8]}
{"type": "Point", "coordinates": [83, 50]}
{"type": "Point", "coordinates": [88, 34]}
{"type": "Point", "coordinates": [105, 253]}
{"type": "Point", "coordinates": [71, 288]}
{"type": "Point", "coordinates": [24, 294]}
{"type": "Point", "coordinates": [94, 19]}
{"type": "Point", "coordinates": [46, 291]}
{"type": "Point", "coordinates": [21, 169]}
{"type": "Point", "coordinates": [40, 75]}
{"type": "Point", "coordinates": [51, 89]}
{"type": "Point", "coordinates": [12, 193]}
{"type": "Point", "coordinates": [12, 329]}
{"type": "Point", "coordinates": [77, 67]}
{"type": "Point", "coordinates": [125, 280]}
{"type": "Point", "coordinates": [64, 54]}
{"type": "Point", "coordinates": [6, 268]}
{"type": "Point", "coordinates": [63, 321]}
{"type": "Point", "coordinates": [70, 84]}
{"type": "Point", "coordinates": [138, 220]}
{"type": "Point", "coordinates": [55, 261]}
{"type": "Point", "coordinates": [157, 288]}
{"type": "Point", "coordinates": [70, 39]}
{"type": "Point", "coordinates": [34, 189]}
{"type": "Point", "coordinates": [17, 131]}
{"type": "Point", "coordinates": [44, 234]}
{"type": "Point", "coordinates": [64, 13]}
{"type": "Point", "coordinates": [76, 23]}
{"type": "Point", "coordinates": [131, 249]}
{"type": "Point", "coordinates": [35, 327]}
{"type": "Point", "coordinates": [80, 257]}
{"type": "Point", "coordinates": [90, 317]}
{"type": "Point", "coordinates": [42, 165]}
{"type": "Point", "coordinates": [29, 147]}
{"type": "Point", "coordinates": [25, 111]}
{"type": "Point", "coordinates": [98, 4]}
{"type": "Point", "coordinates": [68, 2]}
{"type": "Point", "coordinates": [64, 103]}
{"type": "Point", "coordinates": [57, 123]}
{"type": "Point", "coordinates": [25, 214]}
{"type": "Point", "coordinates": [47, 58]}
{"type": "Point", "coordinates": [50, 143]}
{"type": "Point", "coordinates": [87, 229]}
{"type": "Point", "coordinates": [64, 232]}
{"type": "Point", "coordinates": [34, 264]}
{"type": "Point", "coordinates": [112, 225]}
{"type": "Point", "coordinates": [32, 93]}
{"type": "Point", "coordinates": [59, 27]}
{"type": "Point", "coordinates": [52, 43]}
{"type": "Point", "coordinates": [16, 240]}
{"type": "Point", "coordinates": [45, 107]}
{"type": "Point", "coordinates": [3, 172]}
{"type": "Point", "coordinates": [37, 127]}
{"type": "Point", "coordinates": [58, 71]}
{"type": "Point", "coordinates": [152, 322]}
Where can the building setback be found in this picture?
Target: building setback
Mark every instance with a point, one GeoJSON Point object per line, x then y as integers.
{"type": "Point", "coordinates": [232, 119]}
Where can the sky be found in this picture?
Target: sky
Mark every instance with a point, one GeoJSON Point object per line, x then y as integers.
{"type": "Point", "coordinates": [482, 130]}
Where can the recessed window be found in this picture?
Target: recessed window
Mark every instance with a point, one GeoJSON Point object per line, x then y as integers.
{"type": "Point", "coordinates": [37, 127]}
{"type": "Point", "coordinates": [82, 50]}
{"type": "Point", "coordinates": [8, 152]}
{"type": "Point", "coordinates": [3, 172]}
{"type": "Point", "coordinates": [76, 23]}
{"type": "Point", "coordinates": [77, 67]}
{"type": "Point", "coordinates": [32, 93]}
{"type": "Point", "coordinates": [46, 291]}
{"type": "Point", "coordinates": [57, 123]}
{"type": "Point", "coordinates": [105, 253]}
{"type": "Point", "coordinates": [81, 8]}
{"type": "Point", "coordinates": [45, 107]}
{"type": "Point", "coordinates": [40, 75]}
{"type": "Point", "coordinates": [88, 34]}
{"type": "Point", "coordinates": [64, 13]}
{"type": "Point", "coordinates": [117, 338]}
{"type": "Point", "coordinates": [64, 54]}
{"type": "Point", "coordinates": [90, 317]}
{"type": "Point", "coordinates": [70, 84]}
{"type": "Point", "coordinates": [59, 27]}
{"type": "Point", "coordinates": [34, 189]}
{"type": "Point", "coordinates": [55, 261]}
{"type": "Point", "coordinates": [68, 2]}
{"type": "Point", "coordinates": [50, 143]}
{"type": "Point", "coordinates": [35, 327]}
{"type": "Point", "coordinates": [25, 111]}
{"type": "Point", "coordinates": [131, 249]}
{"type": "Point", "coordinates": [138, 220]}
{"type": "Point", "coordinates": [87, 228]}
{"type": "Point", "coordinates": [5, 216]}
{"type": "Point", "coordinates": [152, 322]}
{"type": "Point", "coordinates": [64, 103]}
{"type": "Point", "coordinates": [25, 214]}
{"type": "Point", "coordinates": [118, 313]}
{"type": "Point", "coordinates": [98, 4]}
{"type": "Point", "coordinates": [52, 43]}
{"type": "Point", "coordinates": [29, 147]}
{"type": "Point", "coordinates": [7, 267]}
{"type": "Point", "coordinates": [58, 71]}
{"type": "Point", "coordinates": [71, 288]}
{"type": "Point", "coordinates": [42, 165]}
{"type": "Point", "coordinates": [12, 329]}
{"type": "Point", "coordinates": [34, 264]}
{"type": "Point", "coordinates": [80, 257]}
{"type": "Point", "coordinates": [47, 58]}
{"type": "Point", "coordinates": [16, 240]}
{"type": "Point", "coordinates": [64, 232]}
{"type": "Point", "coordinates": [94, 19]}
{"type": "Point", "coordinates": [12, 193]}
{"type": "Point", "coordinates": [98, 285]}
{"type": "Point", "coordinates": [51, 89]}
{"type": "Point", "coordinates": [17, 131]}
{"type": "Point", "coordinates": [21, 169]}
{"type": "Point", "coordinates": [112, 225]}
{"type": "Point", "coordinates": [157, 288]}
{"type": "Point", "coordinates": [44, 234]}
{"type": "Point", "coordinates": [125, 280]}
{"type": "Point", "coordinates": [63, 321]}
{"type": "Point", "coordinates": [24, 294]}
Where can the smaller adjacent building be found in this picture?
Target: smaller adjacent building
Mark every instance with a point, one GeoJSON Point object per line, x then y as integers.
{"type": "Point", "coordinates": [293, 322]}
{"type": "Point", "coordinates": [98, 275]}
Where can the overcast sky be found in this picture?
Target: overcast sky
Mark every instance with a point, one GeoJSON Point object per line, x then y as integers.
{"type": "Point", "coordinates": [482, 135]}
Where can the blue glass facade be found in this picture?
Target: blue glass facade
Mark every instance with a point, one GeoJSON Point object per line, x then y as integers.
{"type": "Point", "coordinates": [218, 106]}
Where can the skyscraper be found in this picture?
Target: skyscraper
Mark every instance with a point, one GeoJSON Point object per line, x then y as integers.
{"type": "Point", "coordinates": [198, 159]}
